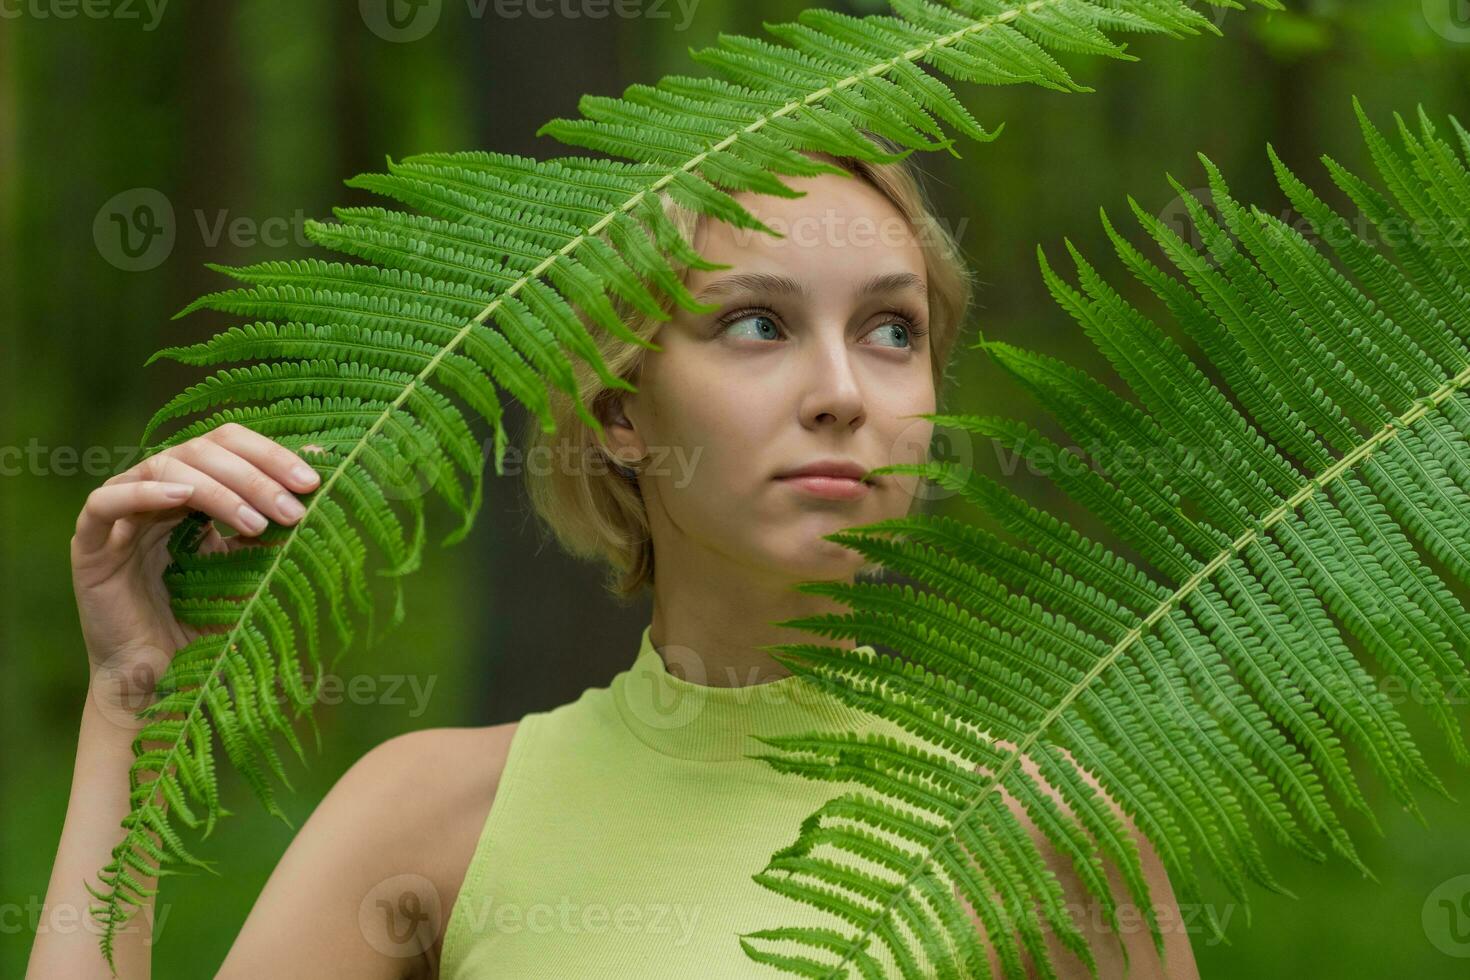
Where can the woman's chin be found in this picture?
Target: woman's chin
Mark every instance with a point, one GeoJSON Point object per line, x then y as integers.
{"type": "Point", "coordinates": [819, 561]}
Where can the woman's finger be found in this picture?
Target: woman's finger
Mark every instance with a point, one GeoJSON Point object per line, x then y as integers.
{"type": "Point", "coordinates": [110, 503]}
{"type": "Point", "coordinates": [211, 496]}
{"type": "Point", "coordinates": [239, 467]}
{"type": "Point", "coordinates": [243, 476]}
{"type": "Point", "coordinates": [270, 456]}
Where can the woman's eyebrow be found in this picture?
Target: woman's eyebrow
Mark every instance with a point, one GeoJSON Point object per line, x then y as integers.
{"type": "Point", "coordinates": [761, 282]}
{"type": "Point", "coordinates": [755, 282]}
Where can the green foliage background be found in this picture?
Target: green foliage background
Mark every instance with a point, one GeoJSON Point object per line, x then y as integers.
{"type": "Point", "coordinates": [254, 109]}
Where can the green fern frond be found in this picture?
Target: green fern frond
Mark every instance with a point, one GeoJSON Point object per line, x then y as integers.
{"type": "Point", "coordinates": [1207, 684]}
{"type": "Point", "coordinates": [490, 282]}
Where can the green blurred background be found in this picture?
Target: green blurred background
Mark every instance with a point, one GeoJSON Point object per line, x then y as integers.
{"type": "Point", "coordinates": [244, 118]}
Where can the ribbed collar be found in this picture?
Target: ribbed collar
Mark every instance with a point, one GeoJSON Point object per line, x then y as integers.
{"type": "Point", "coordinates": [689, 720]}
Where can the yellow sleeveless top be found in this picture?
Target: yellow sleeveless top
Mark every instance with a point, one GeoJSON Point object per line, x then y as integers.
{"type": "Point", "coordinates": [627, 826]}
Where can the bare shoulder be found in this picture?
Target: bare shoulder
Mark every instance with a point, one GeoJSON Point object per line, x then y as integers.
{"type": "Point", "coordinates": [442, 783]}
{"type": "Point", "coordinates": [366, 886]}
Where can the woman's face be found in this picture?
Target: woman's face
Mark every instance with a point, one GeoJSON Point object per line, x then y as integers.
{"type": "Point", "coordinates": [818, 352]}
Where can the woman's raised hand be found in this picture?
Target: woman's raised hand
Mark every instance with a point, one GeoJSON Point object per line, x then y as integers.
{"type": "Point", "coordinates": [120, 550]}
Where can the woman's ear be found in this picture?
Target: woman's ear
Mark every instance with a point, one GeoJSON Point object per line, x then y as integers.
{"type": "Point", "coordinates": [622, 442]}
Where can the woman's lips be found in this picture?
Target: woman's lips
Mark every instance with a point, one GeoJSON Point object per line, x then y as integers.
{"type": "Point", "coordinates": [828, 487]}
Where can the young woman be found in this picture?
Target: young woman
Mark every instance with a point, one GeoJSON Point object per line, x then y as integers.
{"type": "Point", "coordinates": [615, 835]}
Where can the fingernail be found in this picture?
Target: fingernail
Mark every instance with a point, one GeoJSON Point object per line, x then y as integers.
{"type": "Point", "coordinates": [177, 491]}
{"type": "Point", "coordinates": [302, 473]}
{"type": "Point", "coordinates": [290, 506]}
{"type": "Point", "coordinates": [252, 518]}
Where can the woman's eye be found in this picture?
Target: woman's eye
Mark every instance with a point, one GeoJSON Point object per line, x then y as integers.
{"type": "Point", "coordinates": [757, 325]}
{"type": "Point", "coordinates": [895, 330]}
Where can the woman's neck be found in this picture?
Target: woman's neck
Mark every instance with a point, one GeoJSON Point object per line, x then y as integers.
{"type": "Point", "coordinates": [707, 629]}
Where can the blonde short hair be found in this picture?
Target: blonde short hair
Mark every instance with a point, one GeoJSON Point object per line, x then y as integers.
{"type": "Point", "coordinates": [596, 511]}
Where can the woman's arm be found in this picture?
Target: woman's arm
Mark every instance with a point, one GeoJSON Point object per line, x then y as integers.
{"type": "Point", "coordinates": [387, 846]}
{"type": "Point", "coordinates": [364, 889]}
{"type": "Point", "coordinates": [66, 939]}
{"type": "Point", "coordinates": [1143, 959]}
{"type": "Point", "coordinates": [130, 632]}
{"type": "Point", "coordinates": [236, 478]}
{"type": "Point", "coordinates": [318, 914]}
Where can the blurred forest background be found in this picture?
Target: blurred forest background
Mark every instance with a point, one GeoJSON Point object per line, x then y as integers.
{"type": "Point", "coordinates": [233, 122]}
